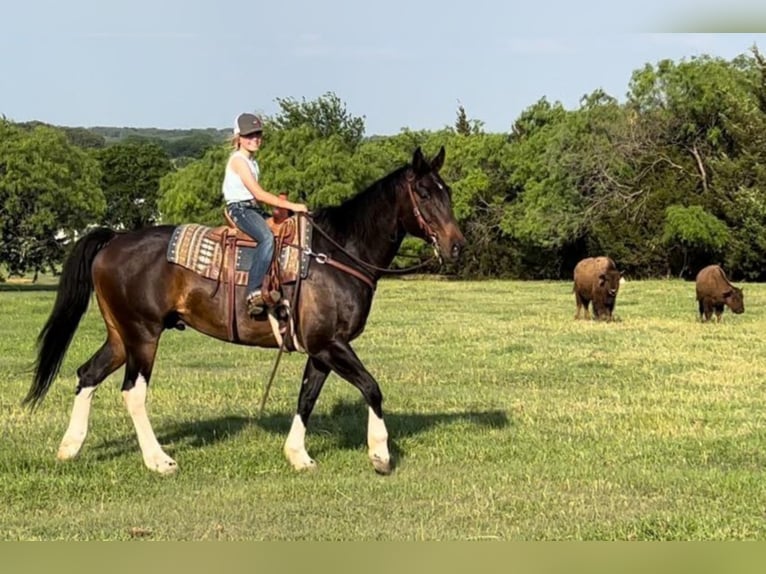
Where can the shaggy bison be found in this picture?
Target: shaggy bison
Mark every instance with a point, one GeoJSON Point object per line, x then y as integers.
{"type": "Point", "coordinates": [714, 291]}
{"type": "Point", "coordinates": [596, 279]}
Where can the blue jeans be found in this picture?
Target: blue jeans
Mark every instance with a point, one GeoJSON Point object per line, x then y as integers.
{"type": "Point", "coordinates": [250, 219]}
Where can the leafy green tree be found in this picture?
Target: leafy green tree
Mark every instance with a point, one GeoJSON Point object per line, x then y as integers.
{"type": "Point", "coordinates": [546, 209]}
{"type": "Point", "coordinates": [745, 252]}
{"type": "Point", "coordinates": [536, 117]}
{"type": "Point", "coordinates": [699, 236]}
{"type": "Point", "coordinates": [49, 193]}
{"type": "Point", "coordinates": [481, 192]}
{"type": "Point", "coordinates": [130, 180]}
{"type": "Point", "coordinates": [327, 115]}
{"type": "Point", "coordinates": [192, 194]}
{"type": "Point", "coordinates": [713, 143]}
{"type": "Point", "coordinates": [308, 151]}
{"type": "Point", "coordinates": [317, 170]}
{"type": "Point", "coordinates": [462, 126]}
{"type": "Point", "coordinates": [380, 155]}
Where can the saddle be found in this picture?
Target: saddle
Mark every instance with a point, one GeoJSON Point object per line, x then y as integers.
{"type": "Point", "coordinates": [230, 237]}
{"type": "Point", "coordinates": [224, 254]}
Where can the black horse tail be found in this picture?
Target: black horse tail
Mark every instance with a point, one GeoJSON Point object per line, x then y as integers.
{"type": "Point", "coordinates": [74, 291]}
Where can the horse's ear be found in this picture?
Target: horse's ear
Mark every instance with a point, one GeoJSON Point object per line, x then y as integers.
{"type": "Point", "coordinates": [419, 164]}
{"type": "Point", "coordinates": [438, 161]}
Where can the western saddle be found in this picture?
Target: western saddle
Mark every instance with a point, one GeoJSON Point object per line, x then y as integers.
{"type": "Point", "coordinates": [230, 237]}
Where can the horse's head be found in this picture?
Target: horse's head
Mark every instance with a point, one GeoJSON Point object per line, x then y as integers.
{"type": "Point", "coordinates": [430, 213]}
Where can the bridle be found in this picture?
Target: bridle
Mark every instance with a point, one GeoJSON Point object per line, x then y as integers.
{"type": "Point", "coordinates": [323, 258]}
{"type": "Point", "coordinates": [422, 223]}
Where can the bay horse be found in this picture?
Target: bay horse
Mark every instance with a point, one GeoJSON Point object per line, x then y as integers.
{"type": "Point", "coordinates": [140, 294]}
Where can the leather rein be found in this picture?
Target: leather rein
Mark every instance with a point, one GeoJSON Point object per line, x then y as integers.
{"type": "Point", "coordinates": [324, 259]}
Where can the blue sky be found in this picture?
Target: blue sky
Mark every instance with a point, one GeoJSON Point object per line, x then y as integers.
{"type": "Point", "coordinates": [197, 64]}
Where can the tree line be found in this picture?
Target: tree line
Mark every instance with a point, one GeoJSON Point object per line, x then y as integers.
{"type": "Point", "coordinates": [665, 182]}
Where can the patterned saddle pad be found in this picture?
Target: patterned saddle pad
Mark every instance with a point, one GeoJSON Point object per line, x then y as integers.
{"type": "Point", "coordinates": [200, 249]}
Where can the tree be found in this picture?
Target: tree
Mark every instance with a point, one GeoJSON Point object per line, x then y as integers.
{"type": "Point", "coordinates": [327, 115]}
{"type": "Point", "coordinates": [475, 171]}
{"type": "Point", "coordinates": [316, 170]}
{"type": "Point", "coordinates": [462, 126]}
{"type": "Point", "coordinates": [699, 235]}
{"type": "Point", "coordinates": [546, 209]}
{"type": "Point", "coordinates": [131, 174]}
{"type": "Point", "coordinates": [49, 194]}
{"type": "Point", "coordinates": [712, 150]}
{"type": "Point", "coordinates": [193, 192]}
{"type": "Point", "coordinates": [535, 118]}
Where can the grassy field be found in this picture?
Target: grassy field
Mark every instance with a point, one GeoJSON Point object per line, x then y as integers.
{"type": "Point", "coordinates": [508, 420]}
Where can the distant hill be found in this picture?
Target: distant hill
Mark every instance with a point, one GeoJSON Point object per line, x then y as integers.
{"type": "Point", "coordinates": [177, 143]}
{"type": "Point", "coordinates": [117, 134]}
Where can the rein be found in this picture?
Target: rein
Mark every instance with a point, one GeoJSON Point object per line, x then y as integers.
{"type": "Point", "coordinates": [323, 258]}
{"type": "Point", "coordinates": [292, 321]}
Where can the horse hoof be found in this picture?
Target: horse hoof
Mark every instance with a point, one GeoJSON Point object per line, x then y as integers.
{"type": "Point", "coordinates": [163, 467]}
{"type": "Point", "coordinates": [310, 466]}
{"type": "Point", "coordinates": [299, 459]}
{"type": "Point", "coordinates": [167, 469]}
{"type": "Point", "coordinates": [306, 466]}
{"type": "Point", "coordinates": [68, 450]}
{"type": "Point", "coordinates": [381, 466]}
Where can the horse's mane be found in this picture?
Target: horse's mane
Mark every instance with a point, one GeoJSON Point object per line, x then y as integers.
{"type": "Point", "coordinates": [359, 215]}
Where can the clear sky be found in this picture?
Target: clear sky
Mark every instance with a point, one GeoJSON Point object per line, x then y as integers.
{"type": "Point", "coordinates": [398, 63]}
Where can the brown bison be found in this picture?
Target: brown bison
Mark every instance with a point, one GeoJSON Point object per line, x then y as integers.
{"type": "Point", "coordinates": [714, 291]}
{"type": "Point", "coordinates": [596, 279]}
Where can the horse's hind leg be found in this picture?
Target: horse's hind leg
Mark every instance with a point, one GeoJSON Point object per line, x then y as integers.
{"type": "Point", "coordinates": [138, 371]}
{"type": "Point", "coordinates": [314, 376]}
{"type": "Point", "coordinates": [103, 363]}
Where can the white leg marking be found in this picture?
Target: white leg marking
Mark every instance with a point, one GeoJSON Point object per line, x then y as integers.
{"type": "Point", "coordinates": [295, 446]}
{"type": "Point", "coordinates": [377, 443]}
{"type": "Point", "coordinates": [78, 425]}
{"type": "Point", "coordinates": [154, 457]}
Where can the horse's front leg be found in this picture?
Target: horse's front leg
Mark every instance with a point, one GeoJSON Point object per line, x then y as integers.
{"type": "Point", "coordinates": [377, 442]}
{"type": "Point", "coordinates": [343, 360]}
{"type": "Point", "coordinates": [314, 376]}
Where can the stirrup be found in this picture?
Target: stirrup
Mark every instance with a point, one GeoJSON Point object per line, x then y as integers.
{"type": "Point", "coordinates": [272, 298]}
{"type": "Point", "coordinates": [255, 304]}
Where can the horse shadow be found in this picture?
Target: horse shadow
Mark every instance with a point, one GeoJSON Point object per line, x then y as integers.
{"type": "Point", "coordinates": [28, 287]}
{"type": "Point", "coordinates": [346, 424]}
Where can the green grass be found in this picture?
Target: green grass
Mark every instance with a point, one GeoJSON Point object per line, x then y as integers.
{"type": "Point", "coordinates": [507, 418]}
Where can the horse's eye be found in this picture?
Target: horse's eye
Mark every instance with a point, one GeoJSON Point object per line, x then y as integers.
{"type": "Point", "coordinates": [423, 191]}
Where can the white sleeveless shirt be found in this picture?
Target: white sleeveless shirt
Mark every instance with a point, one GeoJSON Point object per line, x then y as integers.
{"type": "Point", "coordinates": [233, 188]}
